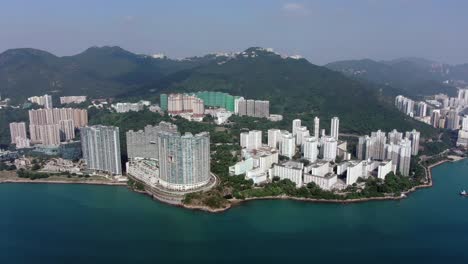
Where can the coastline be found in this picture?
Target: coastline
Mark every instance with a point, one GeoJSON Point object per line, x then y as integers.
{"type": "Point", "coordinates": [65, 182]}
{"type": "Point", "coordinates": [237, 202]}
{"type": "Point", "coordinates": [10, 177]}
{"type": "Point", "coordinates": [234, 202]}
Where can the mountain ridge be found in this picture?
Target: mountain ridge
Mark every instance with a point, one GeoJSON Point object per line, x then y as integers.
{"type": "Point", "coordinates": [292, 84]}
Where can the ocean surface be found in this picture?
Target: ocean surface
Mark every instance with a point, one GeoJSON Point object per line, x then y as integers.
{"type": "Point", "coordinates": [42, 223]}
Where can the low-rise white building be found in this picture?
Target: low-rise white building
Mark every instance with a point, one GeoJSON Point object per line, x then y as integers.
{"type": "Point", "coordinates": [72, 99]}
{"type": "Point", "coordinates": [384, 168]}
{"type": "Point", "coordinates": [321, 173]}
{"type": "Point", "coordinates": [289, 170]}
{"type": "Point", "coordinates": [256, 163]}
{"type": "Point", "coordinates": [325, 182]}
{"type": "Point", "coordinates": [320, 168]}
{"type": "Point", "coordinates": [220, 115]}
{"type": "Point", "coordinates": [242, 167]}
{"type": "Point", "coordinates": [127, 107]}
{"type": "Point", "coordinates": [355, 170]}
{"type": "Point", "coordinates": [275, 118]}
{"type": "Point", "coordinates": [342, 167]}
{"type": "Point", "coordinates": [258, 176]}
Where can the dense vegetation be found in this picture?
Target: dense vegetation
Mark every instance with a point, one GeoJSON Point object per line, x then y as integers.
{"type": "Point", "coordinates": [447, 140]}
{"type": "Point", "coordinates": [6, 117]}
{"type": "Point", "coordinates": [22, 173]}
{"type": "Point", "coordinates": [414, 77]}
{"type": "Point", "coordinates": [295, 88]}
{"type": "Point", "coordinates": [96, 72]}
{"type": "Point", "coordinates": [299, 89]}
{"type": "Point", "coordinates": [135, 185]}
{"type": "Point", "coordinates": [5, 167]}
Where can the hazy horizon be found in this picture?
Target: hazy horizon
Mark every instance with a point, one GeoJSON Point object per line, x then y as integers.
{"type": "Point", "coordinates": [319, 30]}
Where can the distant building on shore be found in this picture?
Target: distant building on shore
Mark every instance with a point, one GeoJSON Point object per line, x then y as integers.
{"type": "Point", "coordinates": [178, 162]}
{"type": "Point", "coordinates": [17, 131]}
{"type": "Point", "coordinates": [101, 149]}
{"type": "Point", "coordinates": [51, 126]}
{"type": "Point", "coordinates": [254, 108]}
{"type": "Point", "coordinates": [45, 100]}
{"type": "Point", "coordinates": [72, 99]}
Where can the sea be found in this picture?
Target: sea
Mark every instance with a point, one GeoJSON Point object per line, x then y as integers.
{"type": "Point", "coordinates": [63, 223]}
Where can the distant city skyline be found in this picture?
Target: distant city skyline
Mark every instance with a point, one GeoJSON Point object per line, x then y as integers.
{"type": "Point", "coordinates": [321, 31]}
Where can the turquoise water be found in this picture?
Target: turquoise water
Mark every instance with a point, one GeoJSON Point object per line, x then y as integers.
{"type": "Point", "coordinates": [42, 223]}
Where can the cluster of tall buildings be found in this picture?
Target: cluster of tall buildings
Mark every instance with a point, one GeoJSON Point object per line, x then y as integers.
{"type": "Point", "coordinates": [72, 99]}
{"type": "Point", "coordinates": [462, 97]}
{"type": "Point", "coordinates": [395, 147]}
{"type": "Point", "coordinates": [179, 162]}
{"type": "Point", "coordinates": [217, 99]}
{"type": "Point", "coordinates": [378, 155]}
{"type": "Point", "coordinates": [48, 126]}
{"type": "Point", "coordinates": [195, 103]}
{"type": "Point", "coordinates": [144, 143]}
{"type": "Point", "coordinates": [51, 126]}
{"type": "Point", "coordinates": [18, 135]}
{"type": "Point", "coordinates": [355, 169]}
{"type": "Point", "coordinates": [315, 148]}
{"type": "Point", "coordinates": [445, 118]}
{"type": "Point", "coordinates": [462, 140]}
{"type": "Point", "coordinates": [404, 104]}
{"type": "Point", "coordinates": [440, 112]}
{"type": "Point", "coordinates": [310, 145]}
{"type": "Point", "coordinates": [55, 115]}
{"type": "Point", "coordinates": [249, 107]}
{"type": "Point", "coordinates": [45, 100]}
{"type": "Point", "coordinates": [183, 103]}
{"type": "Point", "coordinates": [411, 108]}
{"type": "Point", "coordinates": [210, 99]}
{"type": "Point", "coordinates": [256, 163]}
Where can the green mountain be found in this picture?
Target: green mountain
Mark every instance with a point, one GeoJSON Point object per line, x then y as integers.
{"type": "Point", "coordinates": [414, 76]}
{"type": "Point", "coordinates": [293, 86]}
{"type": "Point", "coordinates": [96, 72]}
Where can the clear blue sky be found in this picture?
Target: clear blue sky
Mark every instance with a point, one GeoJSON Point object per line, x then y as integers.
{"type": "Point", "coordinates": [320, 30]}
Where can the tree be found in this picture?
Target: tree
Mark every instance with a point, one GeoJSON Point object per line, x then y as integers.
{"type": "Point", "coordinates": [36, 167]}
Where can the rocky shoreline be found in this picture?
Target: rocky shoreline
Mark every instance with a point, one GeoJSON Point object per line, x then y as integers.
{"type": "Point", "coordinates": [66, 182]}
{"type": "Point", "coordinates": [62, 180]}
{"type": "Point", "coordinates": [237, 202]}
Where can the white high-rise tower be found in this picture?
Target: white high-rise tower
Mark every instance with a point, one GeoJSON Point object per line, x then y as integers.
{"type": "Point", "coordinates": [310, 149]}
{"type": "Point", "coordinates": [335, 127]}
{"type": "Point", "coordinates": [101, 148]}
{"type": "Point", "coordinates": [316, 127]}
{"type": "Point", "coordinates": [296, 123]}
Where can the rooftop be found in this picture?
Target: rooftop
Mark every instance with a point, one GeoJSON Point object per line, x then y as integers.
{"type": "Point", "coordinates": [292, 165]}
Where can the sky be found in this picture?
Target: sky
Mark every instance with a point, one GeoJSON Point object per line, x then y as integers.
{"type": "Point", "coordinates": [320, 30]}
